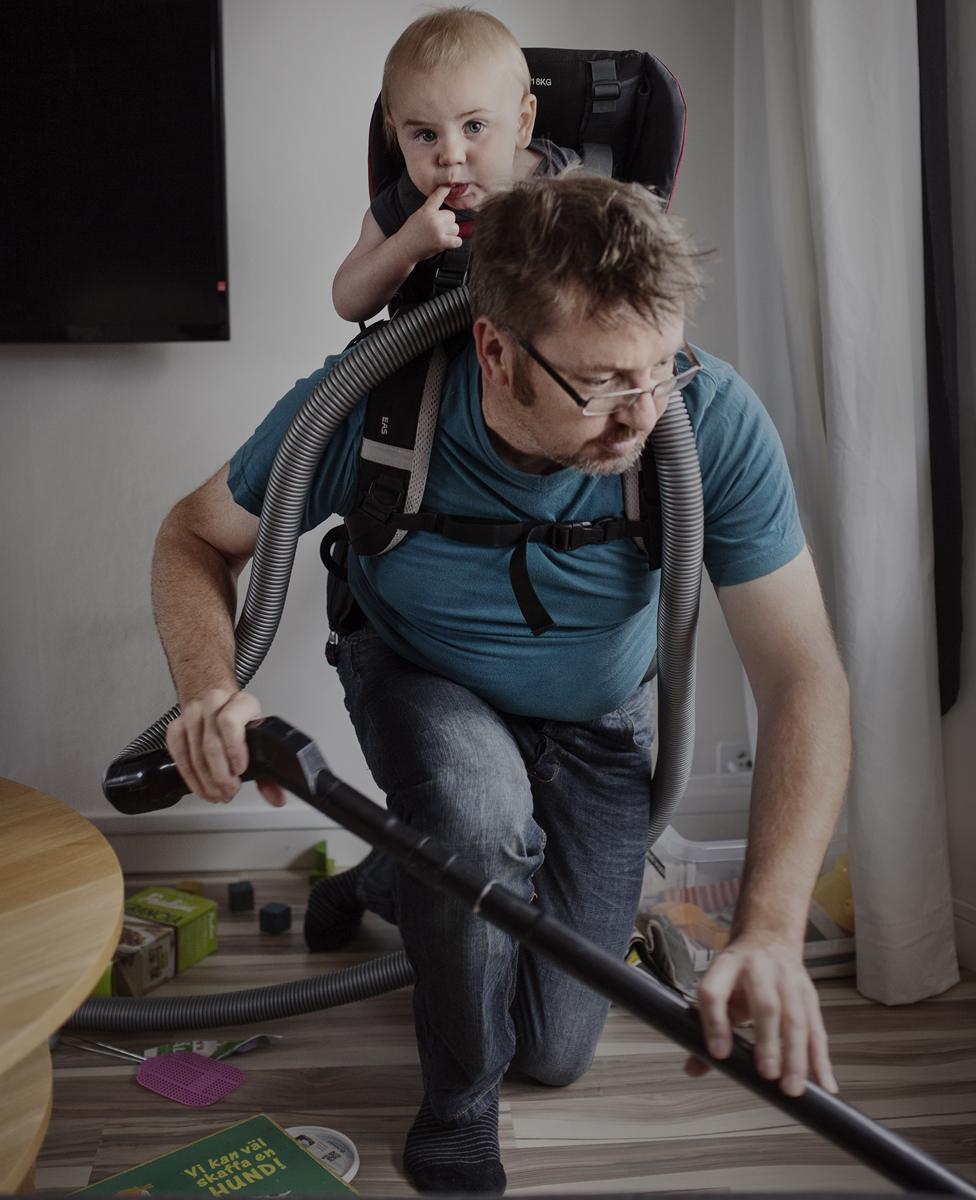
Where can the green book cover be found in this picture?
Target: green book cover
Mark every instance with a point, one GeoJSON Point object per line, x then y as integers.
{"type": "Point", "coordinates": [255, 1157]}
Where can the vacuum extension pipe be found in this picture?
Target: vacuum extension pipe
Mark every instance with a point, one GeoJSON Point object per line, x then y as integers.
{"type": "Point", "coordinates": [280, 752]}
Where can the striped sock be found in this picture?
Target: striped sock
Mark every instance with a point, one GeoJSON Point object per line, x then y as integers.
{"type": "Point", "coordinates": [447, 1157]}
{"type": "Point", "coordinates": [335, 909]}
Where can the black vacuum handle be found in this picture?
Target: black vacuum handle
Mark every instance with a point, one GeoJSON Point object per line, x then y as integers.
{"type": "Point", "coordinates": [150, 782]}
{"type": "Point", "coordinates": [145, 783]}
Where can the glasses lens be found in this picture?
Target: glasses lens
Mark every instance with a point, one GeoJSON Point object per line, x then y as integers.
{"type": "Point", "coordinates": [601, 406]}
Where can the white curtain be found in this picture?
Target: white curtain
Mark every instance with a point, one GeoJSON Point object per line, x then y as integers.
{"type": "Point", "coordinates": [828, 252]}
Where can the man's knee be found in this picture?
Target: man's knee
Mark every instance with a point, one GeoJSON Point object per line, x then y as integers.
{"type": "Point", "coordinates": [490, 828]}
{"type": "Point", "coordinates": [557, 1066]}
{"type": "Point", "coordinates": [558, 1024]}
{"type": "Point", "coordinates": [468, 787]}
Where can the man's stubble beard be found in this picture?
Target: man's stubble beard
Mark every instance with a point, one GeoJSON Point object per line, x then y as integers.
{"type": "Point", "coordinates": [524, 396]}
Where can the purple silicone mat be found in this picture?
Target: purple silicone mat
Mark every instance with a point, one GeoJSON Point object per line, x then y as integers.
{"type": "Point", "coordinates": [189, 1078]}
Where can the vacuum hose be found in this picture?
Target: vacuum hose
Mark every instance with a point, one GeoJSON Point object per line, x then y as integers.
{"type": "Point", "coordinates": [132, 786]}
{"type": "Point", "coordinates": [291, 999]}
{"type": "Point", "coordinates": [370, 361]}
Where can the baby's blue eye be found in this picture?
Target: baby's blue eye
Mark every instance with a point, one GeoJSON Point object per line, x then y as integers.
{"type": "Point", "coordinates": [426, 136]}
{"type": "Point", "coordinates": [474, 126]}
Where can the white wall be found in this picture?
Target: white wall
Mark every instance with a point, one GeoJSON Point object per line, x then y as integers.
{"type": "Point", "coordinates": [98, 442]}
{"type": "Point", "coordinates": [959, 745]}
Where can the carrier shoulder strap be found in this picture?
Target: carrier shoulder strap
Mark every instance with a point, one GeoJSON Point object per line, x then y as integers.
{"type": "Point", "coordinates": [398, 433]}
{"type": "Point", "coordinates": [600, 119]}
{"type": "Point", "coordinates": [642, 502]}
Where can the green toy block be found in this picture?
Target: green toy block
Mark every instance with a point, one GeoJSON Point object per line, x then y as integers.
{"type": "Point", "coordinates": [194, 918]}
{"type": "Point", "coordinates": [104, 985]}
{"type": "Point", "coordinates": [322, 872]}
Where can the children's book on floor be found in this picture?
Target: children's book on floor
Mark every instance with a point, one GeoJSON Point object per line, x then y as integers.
{"type": "Point", "coordinates": [255, 1157]}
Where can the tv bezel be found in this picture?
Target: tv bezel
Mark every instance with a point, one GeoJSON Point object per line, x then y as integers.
{"type": "Point", "coordinates": [54, 333]}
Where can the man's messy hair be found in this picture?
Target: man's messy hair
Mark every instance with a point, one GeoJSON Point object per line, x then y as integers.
{"type": "Point", "coordinates": [448, 37]}
{"type": "Point", "coordinates": [580, 245]}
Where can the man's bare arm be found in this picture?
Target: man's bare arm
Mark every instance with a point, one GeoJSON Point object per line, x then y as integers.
{"type": "Point", "coordinates": [201, 549]}
{"type": "Point", "coordinates": [783, 636]}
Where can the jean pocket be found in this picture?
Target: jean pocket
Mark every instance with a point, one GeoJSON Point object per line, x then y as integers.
{"type": "Point", "coordinates": [348, 662]}
{"type": "Point", "coordinates": [640, 714]}
{"type": "Point", "coordinates": [545, 765]}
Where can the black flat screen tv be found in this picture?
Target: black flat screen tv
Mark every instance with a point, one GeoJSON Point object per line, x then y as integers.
{"type": "Point", "coordinates": [113, 224]}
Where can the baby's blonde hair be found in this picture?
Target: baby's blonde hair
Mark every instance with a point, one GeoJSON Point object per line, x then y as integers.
{"type": "Point", "coordinates": [448, 37]}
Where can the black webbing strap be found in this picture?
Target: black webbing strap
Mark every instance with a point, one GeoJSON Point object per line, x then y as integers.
{"type": "Point", "coordinates": [559, 535]}
{"type": "Point", "coordinates": [484, 531]}
{"type": "Point", "coordinates": [452, 269]}
{"type": "Point", "coordinates": [333, 551]}
{"type": "Point", "coordinates": [596, 134]}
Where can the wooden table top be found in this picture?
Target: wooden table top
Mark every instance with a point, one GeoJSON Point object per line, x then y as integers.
{"type": "Point", "coordinates": [61, 901]}
{"type": "Point", "coordinates": [25, 1109]}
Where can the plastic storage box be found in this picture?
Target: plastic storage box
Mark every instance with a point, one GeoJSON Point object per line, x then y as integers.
{"type": "Point", "coordinates": [689, 895]}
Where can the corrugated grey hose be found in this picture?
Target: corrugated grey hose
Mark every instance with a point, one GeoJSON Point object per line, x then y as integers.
{"type": "Point", "coordinates": [127, 1014]}
{"type": "Point", "coordinates": [367, 363]}
{"type": "Point", "coordinates": [682, 543]}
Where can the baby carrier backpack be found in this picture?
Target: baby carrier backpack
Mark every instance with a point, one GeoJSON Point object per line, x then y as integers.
{"type": "Point", "coordinates": [623, 112]}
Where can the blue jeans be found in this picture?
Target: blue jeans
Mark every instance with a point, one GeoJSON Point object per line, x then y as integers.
{"type": "Point", "coordinates": [556, 811]}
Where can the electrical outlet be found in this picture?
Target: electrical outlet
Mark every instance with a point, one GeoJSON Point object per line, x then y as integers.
{"type": "Point", "coordinates": [732, 758]}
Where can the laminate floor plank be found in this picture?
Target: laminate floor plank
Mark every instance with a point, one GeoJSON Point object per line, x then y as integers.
{"type": "Point", "coordinates": [634, 1123]}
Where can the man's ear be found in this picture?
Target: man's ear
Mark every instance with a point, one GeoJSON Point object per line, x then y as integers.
{"type": "Point", "coordinates": [494, 350]}
{"type": "Point", "coordinates": [526, 120]}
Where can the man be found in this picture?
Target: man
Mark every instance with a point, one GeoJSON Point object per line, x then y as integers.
{"type": "Point", "coordinates": [530, 755]}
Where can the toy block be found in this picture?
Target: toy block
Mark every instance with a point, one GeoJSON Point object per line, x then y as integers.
{"type": "Point", "coordinates": [275, 917]}
{"type": "Point", "coordinates": [240, 895]}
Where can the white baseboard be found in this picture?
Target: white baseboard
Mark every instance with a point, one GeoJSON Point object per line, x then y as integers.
{"type": "Point", "coordinates": [965, 933]}
{"type": "Point", "coordinates": [249, 835]}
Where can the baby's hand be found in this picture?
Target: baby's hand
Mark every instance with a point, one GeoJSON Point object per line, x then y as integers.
{"type": "Point", "coordinates": [430, 229]}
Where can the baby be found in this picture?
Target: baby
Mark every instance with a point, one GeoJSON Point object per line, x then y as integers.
{"type": "Point", "coordinates": [456, 100]}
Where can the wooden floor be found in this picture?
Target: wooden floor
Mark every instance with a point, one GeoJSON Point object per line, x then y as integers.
{"type": "Point", "coordinates": [634, 1123]}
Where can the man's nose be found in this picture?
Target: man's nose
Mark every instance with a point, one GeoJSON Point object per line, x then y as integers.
{"type": "Point", "coordinates": [451, 150]}
{"type": "Point", "coordinates": [644, 413]}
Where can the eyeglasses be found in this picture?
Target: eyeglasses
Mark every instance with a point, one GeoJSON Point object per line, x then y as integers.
{"type": "Point", "coordinates": [601, 404]}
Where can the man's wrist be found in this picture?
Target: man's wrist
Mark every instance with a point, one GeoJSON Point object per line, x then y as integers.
{"type": "Point", "coordinates": [191, 689]}
{"type": "Point", "coordinates": [761, 924]}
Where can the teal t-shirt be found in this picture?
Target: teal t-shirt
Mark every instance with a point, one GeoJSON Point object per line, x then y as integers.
{"type": "Point", "coordinates": [450, 608]}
